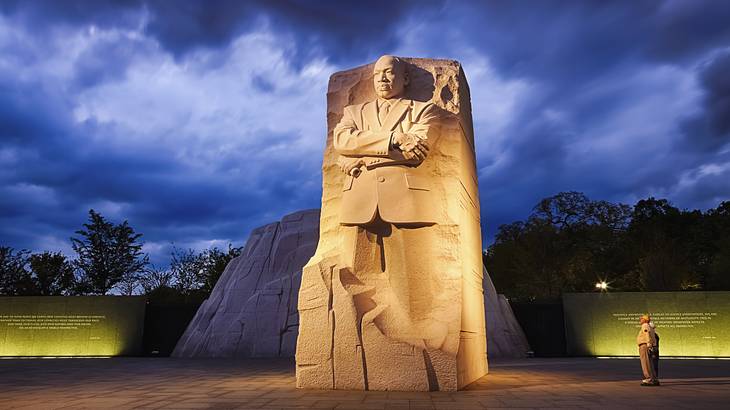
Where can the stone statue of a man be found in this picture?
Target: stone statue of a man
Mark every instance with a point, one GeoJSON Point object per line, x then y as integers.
{"type": "Point", "coordinates": [381, 302]}
{"type": "Point", "coordinates": [382, 143]}
{"type": "Point", "coordinates": [388, 207]}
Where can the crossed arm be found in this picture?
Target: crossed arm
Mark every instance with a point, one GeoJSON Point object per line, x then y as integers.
{"type": "Point", "coordinates": [350, 141]}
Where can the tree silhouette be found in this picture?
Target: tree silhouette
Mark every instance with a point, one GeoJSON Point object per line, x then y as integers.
{"type": "Point", "coordinates": [107, 253]}
{"type": "Point", "coordinates": [187, 269]}
{"type": "Point", "coordinates": [215, 263]}
{"type": "Point", "coordinates": [52, 274]}
{"type": "Point", "coordinates": [570, 242]}
{"type": "Point", "coordinates": [156, 278]}
{"type": "Point", "coordinates": [193, 271]}
{"type": "Point", "coordinates": [15, 279]}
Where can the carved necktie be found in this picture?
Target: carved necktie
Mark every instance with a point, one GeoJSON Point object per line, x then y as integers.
{"type": "Point", "coordinates": [383, 112]}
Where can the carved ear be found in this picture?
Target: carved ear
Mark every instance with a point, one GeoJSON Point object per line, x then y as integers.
{"type": "Point", "coordinates": [406, 77]}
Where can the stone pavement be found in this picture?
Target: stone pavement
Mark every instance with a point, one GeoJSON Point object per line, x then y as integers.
{"type": "Point", "coordinates": [125, 383]}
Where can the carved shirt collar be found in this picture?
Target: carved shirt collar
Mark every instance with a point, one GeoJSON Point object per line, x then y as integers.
{"type": "Point", "coordinates": [393, 102]}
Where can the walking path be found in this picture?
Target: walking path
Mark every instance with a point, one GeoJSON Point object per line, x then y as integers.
{"type": "Point", "coordinates": [150, 383]}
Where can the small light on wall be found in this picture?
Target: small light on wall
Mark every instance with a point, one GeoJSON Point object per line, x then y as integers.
{"type": "Point", "coordinates": [602, 285]}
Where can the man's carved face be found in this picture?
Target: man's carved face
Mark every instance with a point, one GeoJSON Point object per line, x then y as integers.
{"type": "Point", "coordinates": [389, 77]}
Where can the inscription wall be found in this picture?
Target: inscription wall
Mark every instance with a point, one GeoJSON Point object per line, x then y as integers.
{"type": "Point", "coordinates": [688, 323]}
{"type": "Point", "coordinates": [71, 325]}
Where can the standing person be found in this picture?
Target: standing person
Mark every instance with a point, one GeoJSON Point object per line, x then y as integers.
{"type": "Point", "coordinates": [655, 351]}
{"type": "Point", "coordinates": [646, 340]}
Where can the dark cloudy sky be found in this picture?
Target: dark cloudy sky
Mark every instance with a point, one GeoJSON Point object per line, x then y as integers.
{"type": "Point", "coordinates": [200, 120]}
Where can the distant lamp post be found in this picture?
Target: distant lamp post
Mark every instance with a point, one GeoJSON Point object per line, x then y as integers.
{"type": "Point", "coordinates": [602, 286]}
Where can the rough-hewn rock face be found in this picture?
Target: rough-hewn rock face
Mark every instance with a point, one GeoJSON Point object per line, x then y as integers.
{"type": "Point", "coordinates": [413, 320]}
{"type": "Point", "coordinates": [252, 310]}
{"type": "Point", "coordinates": [505, 337]}
{"type": "Point", "coordinates": [393, 298]}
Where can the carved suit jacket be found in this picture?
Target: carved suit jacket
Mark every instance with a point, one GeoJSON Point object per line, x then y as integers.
{"type": "Point", "coordinates": [396, 188]}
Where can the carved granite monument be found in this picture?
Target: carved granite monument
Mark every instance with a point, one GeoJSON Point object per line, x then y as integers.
{"type": "Point", "coordinates": [252, 311]}
{"type": "Point", "coordinates": [392, 299]}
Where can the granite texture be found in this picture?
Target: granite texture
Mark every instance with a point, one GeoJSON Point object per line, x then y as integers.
{"type": "Point", "coordinates": [385, 306]}
{"type": "Point", "coordinates": [252, 310]}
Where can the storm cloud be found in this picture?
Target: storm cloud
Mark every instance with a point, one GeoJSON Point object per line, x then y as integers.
{"type": "Point", "coordinates": [200, 120]}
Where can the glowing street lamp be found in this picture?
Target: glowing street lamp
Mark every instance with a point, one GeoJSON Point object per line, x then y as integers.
{"type": "Point", "coordinates": [602, 285]}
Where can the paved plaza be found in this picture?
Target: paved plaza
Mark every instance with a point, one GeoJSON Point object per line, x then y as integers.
{"type": "Point", "coordinates": [150, 383]}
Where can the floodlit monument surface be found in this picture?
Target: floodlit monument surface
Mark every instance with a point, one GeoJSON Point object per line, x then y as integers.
{"type": "Point", "coordinates": [392, 299]}
{"type": "Point", "coordinates": [695, 324]}
{"type": "Point", "coordinates": [252, 311]}
{"type": "Point", "coordinates": [71, 325]}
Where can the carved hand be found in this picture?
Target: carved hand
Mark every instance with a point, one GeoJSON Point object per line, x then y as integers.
{"type": "Point", "coordinates": [411, 145]}
{"type": "Point", "coordinates": [350, 166]}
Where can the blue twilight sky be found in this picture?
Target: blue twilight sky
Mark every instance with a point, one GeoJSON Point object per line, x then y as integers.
{"type": "Point", "coordinates": [200, 120]}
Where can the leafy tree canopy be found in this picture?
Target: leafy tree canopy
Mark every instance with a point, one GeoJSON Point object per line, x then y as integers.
{"type": "Point", "coordinates": [107, 254]}
{"type": "Point", "coordinates": [570, 242]}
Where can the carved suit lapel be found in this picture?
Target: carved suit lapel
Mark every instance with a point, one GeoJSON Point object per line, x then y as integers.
{"type": "Point", "coordinates": [370, 114]}
{"type": "Point", "coordinates": [395, 115]}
